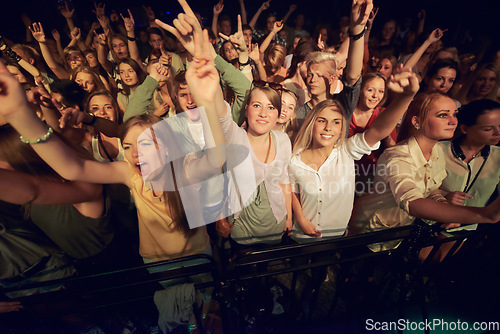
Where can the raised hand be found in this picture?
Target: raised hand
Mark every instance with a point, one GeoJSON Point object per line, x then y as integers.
{"type": "Point", "coordinates": [292, 7]}
{"type": "Point", "coordinates": [165, 58]}
{"type": "Point", "coordinates": [421, 14]}
{"type": "Point", "coordinates": [436, 35]}
{"type": "Point", "coordinates": [237, 38]}
{"type": "Point", "coordinates": [37, 32]}
{"type": "Point", "coordinates": [76, 34]}
{"type": "Point", "coordinates": [278, 25]}
{"type": "Point", "coordinates": [372, 16]}
{"type": "Point", "coordinates": [114, 16]}
{"type": "Point", "coordinates": [184, 26]}
{"type": "Point", "coordinates": [95, 25]}
{"type": "Point", "coordinates": [65, 11]}
{"type": "Point", "coordinates": [321, 44]}
{"type": "Point", "coordinates": [99, 9]}
{"type": "Point", "coordinates": [405, 83]}
{"type": "Point", "coordinates": [102, 37]}
{"type": "Point", "coordinates": [360, 13]}
{"type": "Point", "coordinates": [56, 35]}
{"type": "Point", "coordinates": [128, 21]}
{"type": "Point", "coordinates": [149, 13]}
{"type": "Point", "coordinates": [104, 22]}
{"type": "Point", "coordinates": [218, 8]}
{"type": "Point", "coordinates": [265, 5]}
{"type": "Point", "coordinates": [202, 77]}
{"type": "Point", "coordinates": [254, 52]}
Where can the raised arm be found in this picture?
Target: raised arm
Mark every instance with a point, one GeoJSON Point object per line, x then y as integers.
{"type": "Point", "coordinates": [203, 81]}
{"type": "Point", "coordinates": [255, 56]}
{"type": "Point", "coordinates": [68, 15]}
{"type": "Point", "coordinates": [102, 52]}
{"type": "Point", "coordinates": [265, 5]}
{"type": "Point", "coordinates": [133, 49]}
{"type": "Point", "coordinates": [404, 86]}
{"type": "Point", "coordinates": [278, 25]}
{"type": "Point", "coordinates": [360, 12]}
{"type": "Point", "coordinates": [15, 109]}
{"type": "Point", "coordinates": [291, 9]}
{"type": "Point", "coordinates": [434, 36]}
{"type": "Point", "coordinates": [39, 35]}
{"type": "Point", "coordinates": [215, 18]}
{"type": "Point", "coordinates": [144, 93]}
{"type": "Point", "coordinates": [239, 43]}
{"type": "Point", "coordinates": [243, 12]}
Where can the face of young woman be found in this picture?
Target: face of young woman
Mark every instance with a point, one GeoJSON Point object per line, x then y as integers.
{"type": "Point", "coordinates": [120, 48]}
{"type": "Point", "coordinates": [388, 30]}
{"type": "Point", "coordinates": [372, 93]}
{"type": "Point", "coordinates": [288, 105]}
{"type": "Point", "coordinates": [327, 128]}
{"type": "Point", "coordinates": [385, 67]}
{"type": "Point", "coordinates": [442, 81]}
{"type": "Point", "coordinates": [261, 114]}
{"type": "Point", "coordinates": [143, 152]}
{"type": "Point", "coordinates": [128, 75]}
{"type": "Point", "coordinates": [74, 59]}
{"type": "Point", "coordinates": [230, 51]}
{"type": "Point", "coordinates": [441, 120]}
{"type": "Point", "coordinates": [485, 82]}
{"type": "Point", "coordinates": [86, 81]}
{"type": "Point", "coordinates": [92, 60]}
{"type": "Point", "coordinates": [486, 131]}
{"type": "Point", "coordinates": [101, 106]}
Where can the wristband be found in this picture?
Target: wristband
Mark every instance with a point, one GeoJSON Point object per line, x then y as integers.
{"type": "Point", "coordinates": [132, 39]}
{"type": "Point", "coordinates": [358, 36]}
{"type": "Point", "coordinates": [245, 63]}
{"type": "Point", "coordinates": [12, 55]}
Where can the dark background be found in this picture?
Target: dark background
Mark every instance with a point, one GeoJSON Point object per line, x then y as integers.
{"type": "Point", "coordinates": [473, 25]}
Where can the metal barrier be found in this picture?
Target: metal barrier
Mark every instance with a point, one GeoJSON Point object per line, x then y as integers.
{"type": "Point", "coordinates": [134, 284]}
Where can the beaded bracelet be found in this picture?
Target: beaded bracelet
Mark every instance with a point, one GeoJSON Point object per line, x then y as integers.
{"type": "Point", "coordinates": [42, 139]}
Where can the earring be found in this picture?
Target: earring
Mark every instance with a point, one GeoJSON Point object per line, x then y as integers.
{"type": "Point", "coordinates": [417, 127]}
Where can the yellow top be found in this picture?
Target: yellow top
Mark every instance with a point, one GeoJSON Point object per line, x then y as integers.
{"type": "Point", "coordinates": [158, 237]}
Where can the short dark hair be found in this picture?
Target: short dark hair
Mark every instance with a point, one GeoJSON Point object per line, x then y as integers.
{"type": "Point", "coordinates": [469, 113]}
{"type": "Point", "coordinates": [72, 93]}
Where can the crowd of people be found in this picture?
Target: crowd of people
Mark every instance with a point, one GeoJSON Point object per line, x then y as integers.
{"type": "Point", "coordinates": [148, 144]}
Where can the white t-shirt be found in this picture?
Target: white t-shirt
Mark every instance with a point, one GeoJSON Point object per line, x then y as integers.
{"type": "Point", "coordinates": [327, 195]}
